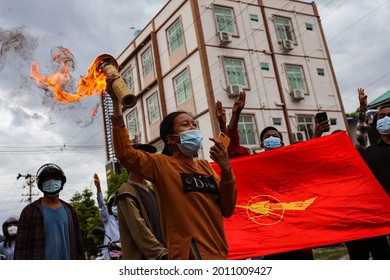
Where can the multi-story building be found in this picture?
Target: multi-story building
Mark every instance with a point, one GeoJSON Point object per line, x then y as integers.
{"type": "Point", "coordinates": [195, 52]}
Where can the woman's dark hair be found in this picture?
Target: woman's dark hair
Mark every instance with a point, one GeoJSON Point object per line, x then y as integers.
{"type": "Point", "coordinates": [166, 128]}
{"type": "Point", "coordinates": [375, 119]}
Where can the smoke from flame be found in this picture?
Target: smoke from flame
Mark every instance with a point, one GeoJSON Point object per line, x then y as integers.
{"type": "Point", "coordinates": [59, 82]}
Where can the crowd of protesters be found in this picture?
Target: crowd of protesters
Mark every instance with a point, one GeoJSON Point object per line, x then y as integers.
{"type": "Point", "coordinates": [173, 204]}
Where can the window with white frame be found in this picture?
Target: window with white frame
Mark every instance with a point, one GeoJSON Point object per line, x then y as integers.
{"type": "Point", "coordinates": [182, 87]}
{"type": "Point", "coordinates": [295, 77]}
{"type": "Point", "coordinates": [132, 124]}
{"type": "Point", "coordinates": [153, 108]}
{"type": "Point", "coordinates": [246, 130]}
{"type": "Point", "coordinates": [277, 121]}
{"type": "Point", "coordinates": [128, 76]}
{"type": "Point", "coordinates": [175, 36]}
{"type": "Point", "coordinates": [306, 124]}
{"type": "Point", "coordinates": [235, 72]}
{"type": "Point", "coordinates": [225, 19]}
{"type": "Point", "coordinates": [284, 28]}
{"type": "Point", "coordinates": [147, 62]}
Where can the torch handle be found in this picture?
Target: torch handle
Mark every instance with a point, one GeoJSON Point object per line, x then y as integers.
{"type": "Point", "coordinates": [119, 87]}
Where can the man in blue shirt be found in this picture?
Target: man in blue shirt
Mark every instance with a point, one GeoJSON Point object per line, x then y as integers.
{"type": "Point", "coordinates": [48, 228]}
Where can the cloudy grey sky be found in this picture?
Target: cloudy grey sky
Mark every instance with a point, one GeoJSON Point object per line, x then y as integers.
{"type": "Point", "coordinates": [34, 130]}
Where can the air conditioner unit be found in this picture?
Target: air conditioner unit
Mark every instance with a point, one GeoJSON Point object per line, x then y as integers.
{"type": "Point", "coordinates": [224, 38]}
{"type": "Point", "coordinates": [298, 136]}
{"type": "Point", "coordinates": [287, 45]}
{"type": "Point", "coordinates": [298, 94]}
{"type": "Point", "coordinates": [234, 90]}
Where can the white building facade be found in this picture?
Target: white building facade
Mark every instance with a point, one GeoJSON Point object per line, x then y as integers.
{"type": "Point", "coordinates": [195, 52]}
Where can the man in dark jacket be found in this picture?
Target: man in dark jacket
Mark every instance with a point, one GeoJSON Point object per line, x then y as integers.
{"type": "Point", "coordinates": [377, 157]}
{"type": "Point", "coordinates": [48, 227]}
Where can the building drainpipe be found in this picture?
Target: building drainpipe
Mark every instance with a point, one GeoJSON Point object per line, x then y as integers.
{"type": "Point", "coordinates": [205, 65]}
{"type": "Point", "coordinates": [279, 83]}
{"type": "Point", "coordinates": [331, 66]}
{"type": "Point", "coordinates": [160, 86]}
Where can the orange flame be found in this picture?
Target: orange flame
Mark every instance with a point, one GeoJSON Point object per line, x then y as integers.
{"type": "Point", "coordinates": [93, 82]}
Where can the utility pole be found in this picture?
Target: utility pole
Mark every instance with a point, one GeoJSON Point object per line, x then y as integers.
{"type": "Point", "coordinates": [30, 180]}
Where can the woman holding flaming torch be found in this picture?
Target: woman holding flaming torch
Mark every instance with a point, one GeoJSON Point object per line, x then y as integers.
{"type": "Point", "coordinates": [193, 199]}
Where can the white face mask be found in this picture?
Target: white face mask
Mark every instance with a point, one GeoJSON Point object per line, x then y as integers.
{"type": "Point", "coordinates": [114, 210]}
{"type": "Point", "coordinates": [12, 230]}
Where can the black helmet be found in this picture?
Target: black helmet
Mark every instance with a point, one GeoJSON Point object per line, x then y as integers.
{"type": "Point", "coordinates": [49, 170]}
{"type": "Point", "coordinates": [110, 203]}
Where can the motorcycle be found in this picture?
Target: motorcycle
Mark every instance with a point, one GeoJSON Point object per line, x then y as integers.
{"type": "Point", "coordinates": [113, 247]}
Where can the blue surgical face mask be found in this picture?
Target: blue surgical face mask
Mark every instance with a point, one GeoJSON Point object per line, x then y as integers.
{"type": "Point", "coordinates": [190, 142]}
{"type": "Point", "coordinates": [51, 187]}
{"type": "Point", "coordinates": [114, 210]}
{"type": "Point", "coordinates": [272, 143]}
{"type": "Point", "coordinates": [383, 125]}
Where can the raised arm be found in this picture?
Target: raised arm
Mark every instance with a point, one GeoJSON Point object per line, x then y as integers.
{"type": "Point", "coordinates": [362, 127]}
{"type": "Point", "coordinates": [320, 128]}
{"type": "Point", "coordinates": [99, 196]}
{"type": "Point", "coordinates": [221, 116]}
{"type": "Point", "coordinates": [238, 105]}
{"type": "Point", "coordinates": [227, 184]}
{"type": "Point", "coordinates": [235, 149]}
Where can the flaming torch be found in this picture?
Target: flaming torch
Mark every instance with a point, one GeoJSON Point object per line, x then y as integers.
{"type": "Point", "coordinates": [104, 68]}
{"type": "Point", "coordinates": [109, 66]}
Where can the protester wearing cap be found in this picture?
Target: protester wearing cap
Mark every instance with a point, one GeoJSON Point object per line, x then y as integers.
{"type": "Point", "coordinates": [139, 217]}
{"type": "Point", "coordinates": [48, 228]}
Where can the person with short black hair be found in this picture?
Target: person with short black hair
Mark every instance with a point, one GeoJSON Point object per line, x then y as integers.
{"type": "Point", "coordinates": [48, 227]}
{"type": "Point", "coordinates": [271, 138]}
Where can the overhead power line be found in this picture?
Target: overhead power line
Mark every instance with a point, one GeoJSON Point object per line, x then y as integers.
{"type": "Point", "coordinates": [50, 149]}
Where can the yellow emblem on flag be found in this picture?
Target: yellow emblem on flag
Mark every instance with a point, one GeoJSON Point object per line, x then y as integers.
{"type": "Point", "coordinates": [268, 210]}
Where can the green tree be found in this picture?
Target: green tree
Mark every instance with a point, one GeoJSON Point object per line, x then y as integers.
{"type": "Point", "coordinates": [88, 212]}
{"type": "Point", "coordinates": [354, 114]}
{"type": "Point", "coordinates": [114, 181]}
{"type": "Point", "coordinates": [88, 216]}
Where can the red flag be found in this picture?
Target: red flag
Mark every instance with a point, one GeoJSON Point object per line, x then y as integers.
{"type": "Point", "coordinates": [304, 195]}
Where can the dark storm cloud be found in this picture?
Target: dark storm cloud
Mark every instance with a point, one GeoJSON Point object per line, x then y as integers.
{"type": "Point", "coordinates": [30, 117]}
{"type": "Point", "coordinates": [16, 43]}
